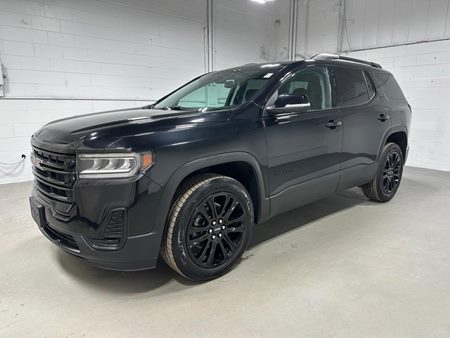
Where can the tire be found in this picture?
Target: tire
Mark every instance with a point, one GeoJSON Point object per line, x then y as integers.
{"type": "Point", "coordinates": [208, 227]}
{"type": "Point", "coordinates": [389, 175]}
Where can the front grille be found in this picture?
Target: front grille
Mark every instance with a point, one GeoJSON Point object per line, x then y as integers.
{"type": "Point", "coordinates": [55, 174]}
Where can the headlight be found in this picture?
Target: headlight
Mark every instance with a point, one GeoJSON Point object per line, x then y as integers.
{"type": "Point", "coordinates": [118, 165]}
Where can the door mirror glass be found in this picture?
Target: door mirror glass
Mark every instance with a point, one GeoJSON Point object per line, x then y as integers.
{"type": "Point", "coordinates": [289, 103]}
{"type": "Point", "coordinates": [230, 83]}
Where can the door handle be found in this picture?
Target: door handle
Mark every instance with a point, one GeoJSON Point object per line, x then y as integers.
{"type": "Point", "coordinates": [383, 117]}
{"type": "Point", "coordinates": [332, 124]}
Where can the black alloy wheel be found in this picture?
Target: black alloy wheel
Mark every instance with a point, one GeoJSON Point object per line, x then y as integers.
{"type": "Point", "coordinates": [386, 182]}
{"type": "Point", "coordinates": [208, 228]}
{"type": "Point", "coordinates": [391, 172]}
{"type": "Point", "coordinates": [216, 230]}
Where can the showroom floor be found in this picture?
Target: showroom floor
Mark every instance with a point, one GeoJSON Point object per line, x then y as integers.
{"type": "Point", "coordinates": [342, 267]}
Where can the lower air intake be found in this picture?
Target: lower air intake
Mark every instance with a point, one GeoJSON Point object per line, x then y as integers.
{"type": "Point", "coordinates": [114, 233]}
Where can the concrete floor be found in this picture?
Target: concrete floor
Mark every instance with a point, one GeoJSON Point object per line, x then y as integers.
{"type": "Point", "coordinates": [340, 267]}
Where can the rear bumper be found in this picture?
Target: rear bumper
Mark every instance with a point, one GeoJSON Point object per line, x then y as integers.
{"type": "Point", "coordinates": [139, 248]}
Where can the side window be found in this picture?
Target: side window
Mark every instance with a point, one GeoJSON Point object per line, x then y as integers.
{"type": "Point", "coordinates": [351, 87]}
{"type": "Point", "coordinates": [389, 86]}
{"type": "Point", "coordinates": [312, 82]}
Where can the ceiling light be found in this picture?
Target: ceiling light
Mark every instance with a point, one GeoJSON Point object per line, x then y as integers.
{"type": "Point", "coordinates": [261, 1]}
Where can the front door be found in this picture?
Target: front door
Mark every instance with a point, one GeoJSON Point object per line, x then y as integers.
{"type": "Point", "coordinates": [303, 148]}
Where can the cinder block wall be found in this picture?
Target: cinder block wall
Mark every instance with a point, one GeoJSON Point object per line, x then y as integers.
{"type": "Point", "coordinates": [68, 57]}
{"type": "Point", "coordinates": [423, 71]}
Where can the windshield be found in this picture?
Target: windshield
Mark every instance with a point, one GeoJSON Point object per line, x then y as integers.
{"type": "Point", "coordinates": [218, 90]}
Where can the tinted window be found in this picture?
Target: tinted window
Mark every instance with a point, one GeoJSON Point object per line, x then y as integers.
{"type": "Point", "coordinates": [351, 87]}
{"type": "Point", "coordinates": [312, 82]}
{"type": "Point", "coordinates": [370, 85]}
{"type": "Point", "coordinates": [389, 86]}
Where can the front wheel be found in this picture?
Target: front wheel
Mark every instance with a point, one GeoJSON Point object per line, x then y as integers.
{"type": "Point", "coordinates": [389, 175]}
{"type": "Point", "coordinates": [209, 227]}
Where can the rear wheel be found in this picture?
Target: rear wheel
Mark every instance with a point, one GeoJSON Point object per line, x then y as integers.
{"type": "Point", "coordinates": [208, 228]}
{"type": "Point", "coordinates": [389, 175]}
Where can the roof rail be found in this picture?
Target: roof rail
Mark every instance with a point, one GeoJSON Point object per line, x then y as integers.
{"type": "Point", "coordinates": [325, 56]}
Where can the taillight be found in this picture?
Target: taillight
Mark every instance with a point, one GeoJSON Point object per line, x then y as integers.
{"type": "Point", "coordinates": [409, 106]}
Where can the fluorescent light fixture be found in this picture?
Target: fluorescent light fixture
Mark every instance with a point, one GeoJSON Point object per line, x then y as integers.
{"type": "Point", "coordinates": [261, 1]}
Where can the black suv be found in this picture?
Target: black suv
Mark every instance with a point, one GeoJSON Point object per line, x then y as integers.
{"type": "Point", "coordinates": [188, 176]}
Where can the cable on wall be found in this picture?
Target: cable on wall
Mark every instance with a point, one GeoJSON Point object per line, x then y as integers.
{"type": "Point", "coordinates": [9, 168]}
{"type": "Point", "coordinates": [15, 163]}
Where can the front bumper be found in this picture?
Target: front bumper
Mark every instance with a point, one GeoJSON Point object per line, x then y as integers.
{"type": "Point", "coordinates": [81, 231]}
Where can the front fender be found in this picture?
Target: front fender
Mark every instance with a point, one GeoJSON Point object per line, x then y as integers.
{"type": "Point", "coordinates": [188, 168]}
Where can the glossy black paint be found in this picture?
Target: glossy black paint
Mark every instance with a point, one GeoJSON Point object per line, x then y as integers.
{"type": "Point", "coordinates": [293, 159]}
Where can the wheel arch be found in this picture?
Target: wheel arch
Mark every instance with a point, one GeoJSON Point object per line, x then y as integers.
{"type": "Point", "coordinates": [397, 135]}
{"type": "Point", "coordinates": [236, 165]}
{"type": "Point", "coordinates": [401, 139]}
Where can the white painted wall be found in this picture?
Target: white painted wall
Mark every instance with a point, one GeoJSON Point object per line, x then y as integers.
{"type": "Point", "coordinates": [67, 57]}
{"type": "Point", "coordinates": [91, 55]}
{"type": "Point", "coordinates": [100, 49]}
{"type": "Point", "coordinates": [246, 31]}
{"type": "Point", "coordinates": [386, 22]}
{"type": "Point", "coordinates": [371, 24]}
{"type": "Point", "coordinates": [423, 72]}
{"type": "Point", "coordinates": [422, 69]}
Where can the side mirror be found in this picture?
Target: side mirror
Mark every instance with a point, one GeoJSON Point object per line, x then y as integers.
{"type": "Point", "coordinates": [286, 103]}
{"type": "Point", "coordinates": [229, 83]}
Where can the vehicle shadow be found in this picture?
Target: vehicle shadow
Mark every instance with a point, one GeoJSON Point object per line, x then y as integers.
{"type": "Point", "coordinates": [163, 280]}
{"type": "Point", "coordinates": [121, 282]}
{"type": "Point", "coordinates": [305, 215]}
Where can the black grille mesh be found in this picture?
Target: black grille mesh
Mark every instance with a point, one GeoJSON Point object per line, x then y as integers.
{"type": "Point", "coordinates": [55, 174]}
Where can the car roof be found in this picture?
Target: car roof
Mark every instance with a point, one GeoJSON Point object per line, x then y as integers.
{"type": "Point", "coordinates": [323, 57]}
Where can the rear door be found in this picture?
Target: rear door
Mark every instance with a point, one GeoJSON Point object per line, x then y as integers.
{"type": "Point", "coordinates": [365, 120]}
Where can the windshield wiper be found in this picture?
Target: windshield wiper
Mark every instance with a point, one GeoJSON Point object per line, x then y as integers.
{"type": "Point", "coordinates": [151, 106]}
{"type": "Point", "coordinates": [177, 108]}
{"type": "Point", "coordinates": [173, 108]}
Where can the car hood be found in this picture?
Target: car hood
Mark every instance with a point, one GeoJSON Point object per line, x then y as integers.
{"type": "Point", "coordinates": [113, 128]}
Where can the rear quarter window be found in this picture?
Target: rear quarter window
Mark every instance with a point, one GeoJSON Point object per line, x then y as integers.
{"type": "Point", "coordinates": [370, 85]}
{"type": "Point", "coordinates": [389, 86]}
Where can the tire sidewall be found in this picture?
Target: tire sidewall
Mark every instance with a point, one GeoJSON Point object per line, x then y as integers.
{"type": "Point", "coordinates": [182, 258]}
{"type": "Point", "coordinates": [388, 149]}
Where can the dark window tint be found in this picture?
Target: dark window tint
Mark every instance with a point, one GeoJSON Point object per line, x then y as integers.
{"type": "Point", "coordinates": [351, 87]}
{"type": "Point", "coordinates": [389, 86]}
{"type": "Point", "coordinates": [370, 85]}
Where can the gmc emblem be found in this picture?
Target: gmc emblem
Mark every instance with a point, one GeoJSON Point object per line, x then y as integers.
{"type": "Point", "coordinates": [36, 162]}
